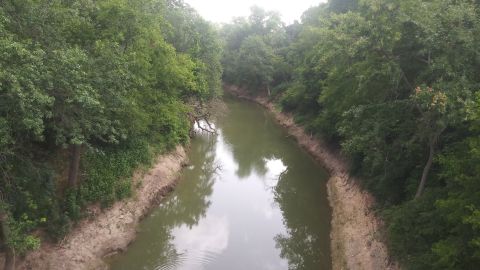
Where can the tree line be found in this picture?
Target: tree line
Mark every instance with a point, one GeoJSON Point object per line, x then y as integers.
{"type": "Point", "coordinates": [89, 91]}
{"type": "Point", "coordinates": [395, 85]}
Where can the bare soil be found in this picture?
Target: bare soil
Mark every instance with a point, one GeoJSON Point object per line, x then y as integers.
{"type": "Point", "coordinates": [356, 236]}
{"type": "Point", "coordinates": [110, 230]}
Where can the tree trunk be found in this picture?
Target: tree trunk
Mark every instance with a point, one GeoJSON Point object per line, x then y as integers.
{"type": "Point", "coordinates": [426, 169]}
{"type": "Point", "coordinates": [268, 90]}
{"type": "Point", "coordinates": [9, 259]}
{"type": "Point", "coordinates": [9, 263]}
{"type": "Point", "coordinates": [74, 164]}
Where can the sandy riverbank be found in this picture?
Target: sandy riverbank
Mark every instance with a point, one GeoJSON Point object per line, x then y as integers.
{"type": "Point", "coordinates": [110, 230]}
{"type": "Point", "coordinates": [355, 235]}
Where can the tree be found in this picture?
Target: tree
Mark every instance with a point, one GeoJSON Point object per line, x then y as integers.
{"type": "Point", "coordinates": [253, 49]}
{"type": "Point", "coordinates": [77, 112]}
{"type": "Point", "coordinates": [342, 6]}
{"type": "Point", "coordinates": [9, 263]}
{"type": "Point", "coordinates": [393, 83]}
{"type": "Point", "coordinates": [460, 208]}
{"type": "Point", "coordinates": [190, 33]}
{"type": "Point", "coordinates": [432, 105]}
{"type": "Point", "coordinates": [108, 80]}
{"type": "Point", "coordinates": [255, 64]}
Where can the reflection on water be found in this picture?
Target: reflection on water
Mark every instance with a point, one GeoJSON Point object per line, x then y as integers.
{"type": "Point", "coordinates": [251, 199]}
{"type": "Point", "coordinates": [203, 242]}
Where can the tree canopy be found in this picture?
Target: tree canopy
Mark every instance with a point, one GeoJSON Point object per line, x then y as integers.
{"type": "Point", "coordinates": [88, 91]}
{"type": "Point", "coordinates": [91, 89]}
{"type": "Point", "coordinates": [395, 85]}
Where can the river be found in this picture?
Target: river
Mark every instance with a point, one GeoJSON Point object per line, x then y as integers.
{"type": "Point", "coordinates": [251, 198]}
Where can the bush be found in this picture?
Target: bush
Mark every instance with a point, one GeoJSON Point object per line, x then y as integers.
{"type": "Point", "coordinates": [107, 172]}
{"type": "Point", "coordinates": [413, 227]}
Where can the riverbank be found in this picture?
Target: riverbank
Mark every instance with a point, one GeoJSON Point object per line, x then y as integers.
{"type": "Point", "coordinates": [356, 232]}
{"type": "Point", "coordinates": [111, 230]}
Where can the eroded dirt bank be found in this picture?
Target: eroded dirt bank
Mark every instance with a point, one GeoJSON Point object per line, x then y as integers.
{"type": "Point", "coordinates": [355, 235]}
{"type": "Point", "coordinates": [111, 230]}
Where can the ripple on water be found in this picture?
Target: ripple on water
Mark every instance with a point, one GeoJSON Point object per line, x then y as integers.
{"type": "Point", "coordinates": [193, 259]}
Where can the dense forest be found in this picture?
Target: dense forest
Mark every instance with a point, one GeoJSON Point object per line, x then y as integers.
{"type": "Point", "coordinates": [395, 85]}
{"type": "Point", "coordinates": [89, 91]}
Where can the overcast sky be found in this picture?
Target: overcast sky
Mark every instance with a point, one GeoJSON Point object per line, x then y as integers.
{"type": "Point", "coordinates": [224, 10]}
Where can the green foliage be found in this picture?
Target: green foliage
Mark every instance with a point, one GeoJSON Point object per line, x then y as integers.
{"type": "Point", "coordinates": [253, 49]}
{"type": "Point", "coordinates": [395, 84]}
{"type": "Point", "coordinates": [106, 170]}
{"type": "Point", "coordinates": [255, 63]}
{"type": "Point", "coordinates": [190, 33]}
{"type": "Point", "coordinates": [460, 207]}
{"type": "Point", "coordinates": [412, 229]}
{"type": "Point", "coordinates": [18, 235]}
{"type": "Point", "coordinates": [23, 99]}
{"type": "Point", "coordinates": [112, 76]}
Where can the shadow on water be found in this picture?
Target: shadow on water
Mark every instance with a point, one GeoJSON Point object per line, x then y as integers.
{"type": "Point", "coordinates": [251, 199]}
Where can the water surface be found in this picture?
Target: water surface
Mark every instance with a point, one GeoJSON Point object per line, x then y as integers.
{"type": "Point", "coordinates": [251, 199]}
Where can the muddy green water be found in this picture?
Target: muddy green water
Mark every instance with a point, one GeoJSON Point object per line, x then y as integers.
{"type": "Point", "coordinates": [251, 199]}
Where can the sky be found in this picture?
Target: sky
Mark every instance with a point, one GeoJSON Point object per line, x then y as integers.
{"type": "Point", "coordinates": [222, 11]}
